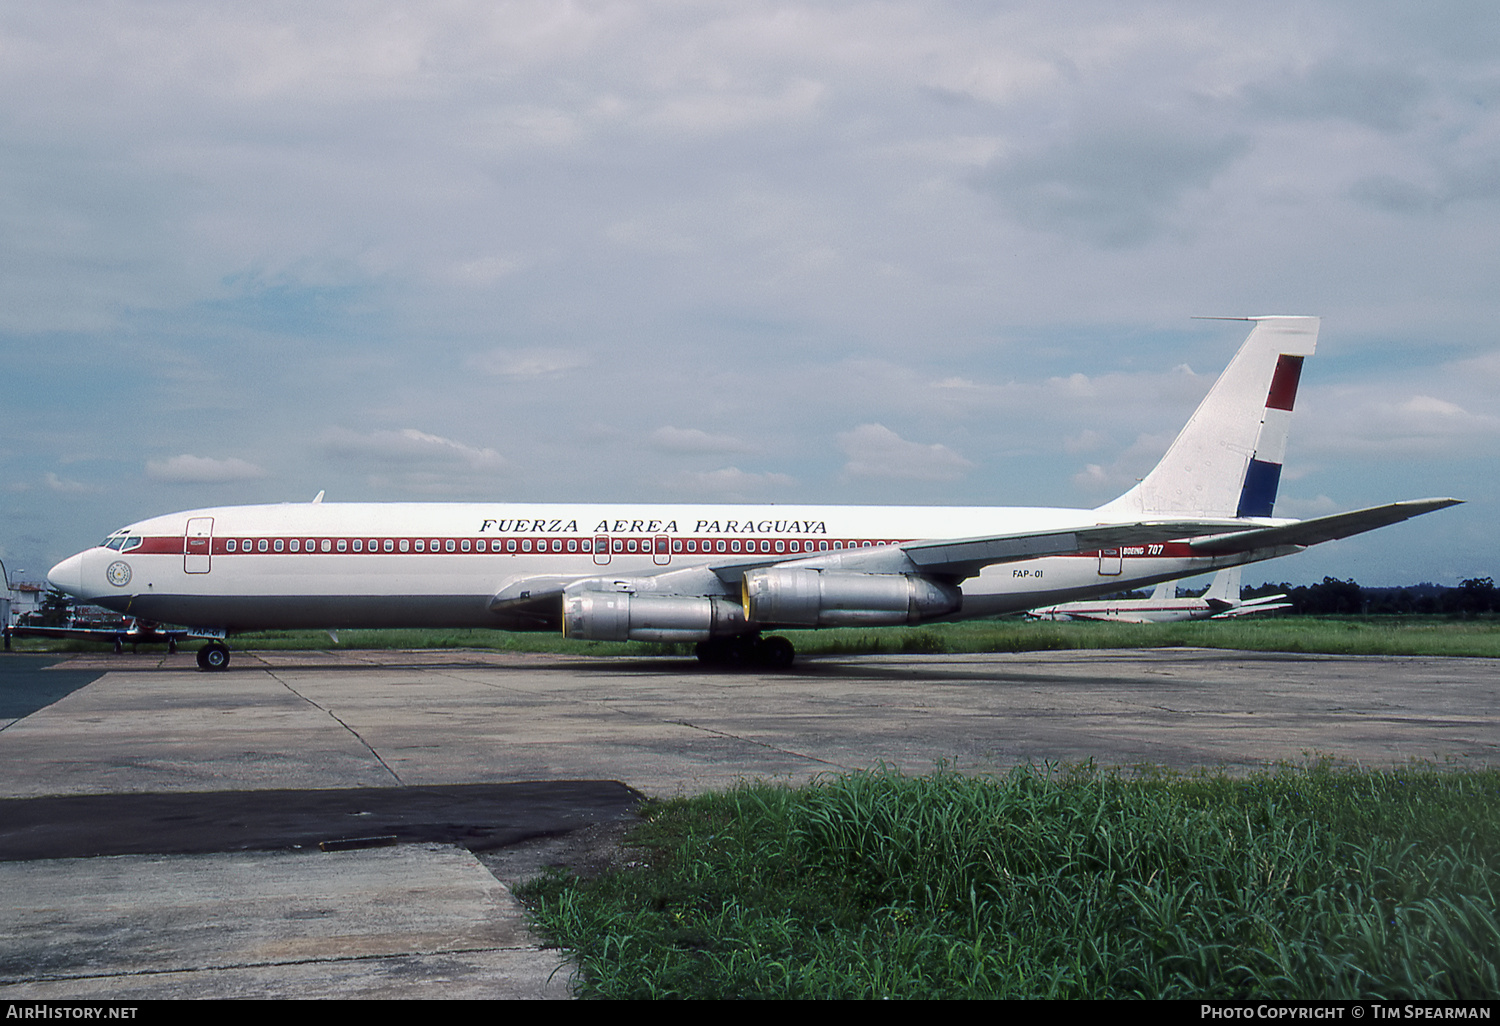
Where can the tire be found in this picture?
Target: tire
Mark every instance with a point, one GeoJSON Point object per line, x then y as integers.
{"type": "Point", "coordinates": [213, 657]}
{"type": "Point", "coordinates": [777, 653]}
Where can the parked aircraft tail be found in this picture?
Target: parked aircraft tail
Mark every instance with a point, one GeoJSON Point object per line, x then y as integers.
{"type": "Point", "coordinates": [1227, 461]}
{"type": "Point", "coordinates": [1224, 591]}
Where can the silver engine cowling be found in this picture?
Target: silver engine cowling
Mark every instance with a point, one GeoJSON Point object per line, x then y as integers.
{"type": "Point", "coordinates": [798, 597]}
{"type": "Point", "coordinates": [624, 616]}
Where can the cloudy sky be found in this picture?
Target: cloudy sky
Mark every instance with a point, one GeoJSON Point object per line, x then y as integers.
{"type": "Point", "coordinates": [741, 251]}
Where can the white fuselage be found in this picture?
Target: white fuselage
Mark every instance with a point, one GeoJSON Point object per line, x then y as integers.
{"type": "Point", "coordinates": [349, 565]}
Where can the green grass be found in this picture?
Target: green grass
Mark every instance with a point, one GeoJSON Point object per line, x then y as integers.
{"type": "Point", "coordinates": [1352, 635]}
{"type": "Point", "coordinates": [1313, 883]}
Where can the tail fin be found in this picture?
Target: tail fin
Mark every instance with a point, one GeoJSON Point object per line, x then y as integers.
{"type": "Point", "coordinates": [1224, 590]}
{"type": "Point", "coordinates": [1227, 461]}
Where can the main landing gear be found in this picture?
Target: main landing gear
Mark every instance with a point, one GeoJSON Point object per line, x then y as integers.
{"type": "Point", "coordinates": [747, 650]}
{"type": "Point", "coordinates": [213, 656]}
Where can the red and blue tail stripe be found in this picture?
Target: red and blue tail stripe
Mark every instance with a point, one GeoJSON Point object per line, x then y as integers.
{"type": "Point", "coordinates": [1263, 475]}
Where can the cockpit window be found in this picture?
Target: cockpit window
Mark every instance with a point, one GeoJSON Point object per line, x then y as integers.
{"type": "Point", "coordinates": [113, 543]}
{"type": "Point", "coordinates": [133, 542]}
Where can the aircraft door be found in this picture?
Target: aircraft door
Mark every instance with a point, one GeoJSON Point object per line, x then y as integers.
{"type": "Point", "coordinates": [661, 550]}
{"type": "Point", "coordinates": [198, 545]}
{"type": "Point", "coordinates": [601, 549]}
{"type": "Point", "coordinates": [1109, 563]}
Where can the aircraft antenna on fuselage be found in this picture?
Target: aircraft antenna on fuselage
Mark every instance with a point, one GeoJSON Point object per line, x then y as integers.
{"type": "Point", "coordinates": [317, 498]}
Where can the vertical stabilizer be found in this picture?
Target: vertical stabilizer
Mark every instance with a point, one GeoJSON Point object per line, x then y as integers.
{"type": "Point", "coordinates": [1225, 587]}
{"type": "Point", "coordinates": [1227, 461]}
{"type": "Point", "coordinates": [1164, 591]}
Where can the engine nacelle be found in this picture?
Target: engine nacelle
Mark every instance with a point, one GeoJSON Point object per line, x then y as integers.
{"type": "Point", "coordinates": [797, 597]}
{"type": "Point", "coordinates": [623, 616]}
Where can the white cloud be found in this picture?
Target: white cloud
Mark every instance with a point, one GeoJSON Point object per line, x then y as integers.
{"type": "Point", "coordinates": [875, 451]}
{"type": "Point", "coordinates": [188, 469]}
{"type": "Point", "coordinates": [410, 446]}
{"type": "Point", "coordinates": [523, 364]}
{"type": "Point", "coordinates": [695, 440]}
{"type": "Point", "coordinates": [1372, 421]}
{"type": "Point", "coordinates": [730, 484]}
{"type": "Point", "coordinates": [67, 487]}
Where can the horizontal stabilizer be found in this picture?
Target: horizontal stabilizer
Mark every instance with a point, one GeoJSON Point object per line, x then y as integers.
{"type": "Point", "coordinates": [1319, 529]}
{"type": "Point", "coordinates": [1246, 610]}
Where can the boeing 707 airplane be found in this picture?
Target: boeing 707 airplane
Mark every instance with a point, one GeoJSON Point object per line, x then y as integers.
{"type": "Point", "coordinates": [722, 576]}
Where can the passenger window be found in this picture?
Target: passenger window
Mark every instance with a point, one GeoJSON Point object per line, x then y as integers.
{"type": "Point", "coordinates": [464, 545]}
{"type": "Point", "coordinates": [343, 545]}
{"type": "Point", "coordinates": [781, 546]}
{"type": "Point", "coordinates": [294, 545]}
{"type": "Point", "coordinates": [404, 545]}
{"type": "Point", "coordinates": [526, 545]}
{"type": "Point", "coordinates": [572, 544]}
{"type": "Point", "coordinates": [422, 545]}
{"type": "Point", "coordinates": [262, 545]}
{"type": "Point", "coordinates": [279, 544]}
{"type": "Point", "coordinates": [229, 545]}
{"type": "Point", "coordinates": [389, 545]}
{"type": "Point", "coordinates": [448, 545]}
{"type": "Point", "coordinates": [734, 546]}
{"type": "Point", "coordinates": [510, 544]}
{"type": "Point", "coordinates": [325, 546]}
{"type": "Point", "coordinates": [359, 545]}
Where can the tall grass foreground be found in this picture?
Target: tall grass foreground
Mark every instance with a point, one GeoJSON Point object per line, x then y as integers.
{"type": "Point", "coordinates": [1052, 883]}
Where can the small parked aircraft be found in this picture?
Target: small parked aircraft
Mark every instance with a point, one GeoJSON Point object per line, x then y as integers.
{"type": "Point", "coordinates": [1221, 601]}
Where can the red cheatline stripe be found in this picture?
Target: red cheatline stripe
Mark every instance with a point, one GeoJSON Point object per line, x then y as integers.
{"type": "Point", "coordinates": [1284, 383]}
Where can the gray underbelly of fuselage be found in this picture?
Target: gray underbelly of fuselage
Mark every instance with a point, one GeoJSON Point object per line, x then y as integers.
{"type": "Point", "coordinates": [235, 613]}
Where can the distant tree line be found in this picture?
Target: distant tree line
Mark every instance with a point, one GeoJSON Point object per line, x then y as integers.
{"type": "Point", "coordinates": [1334, 597]}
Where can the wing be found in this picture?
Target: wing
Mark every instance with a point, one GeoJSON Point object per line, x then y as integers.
{"type": "Point", "coordinates": [1112, 617]}
{"type": "Point", "coordinates": [534, 600]}
{"type": "Point", "coordinates": [1247, 610]}
{"type": "Point", "coordinates": [1320, 529]}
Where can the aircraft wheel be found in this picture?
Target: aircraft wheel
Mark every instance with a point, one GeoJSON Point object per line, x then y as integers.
{"type": "Point", "coordinates": [213, 656]}
{"type": "Point", "coordinates": [733, 651]}
{"type": "Point", "coordinates": [777, 653]}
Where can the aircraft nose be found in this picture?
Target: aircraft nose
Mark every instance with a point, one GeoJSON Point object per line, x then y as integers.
{"type": "Point", "coordinates": [67, 576]}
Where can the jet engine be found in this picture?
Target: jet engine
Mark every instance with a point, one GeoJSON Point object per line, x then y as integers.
{"type": "Point", "coordinates": [623, 616]}
{"type": "Point", "coordinates": [793, 596]}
